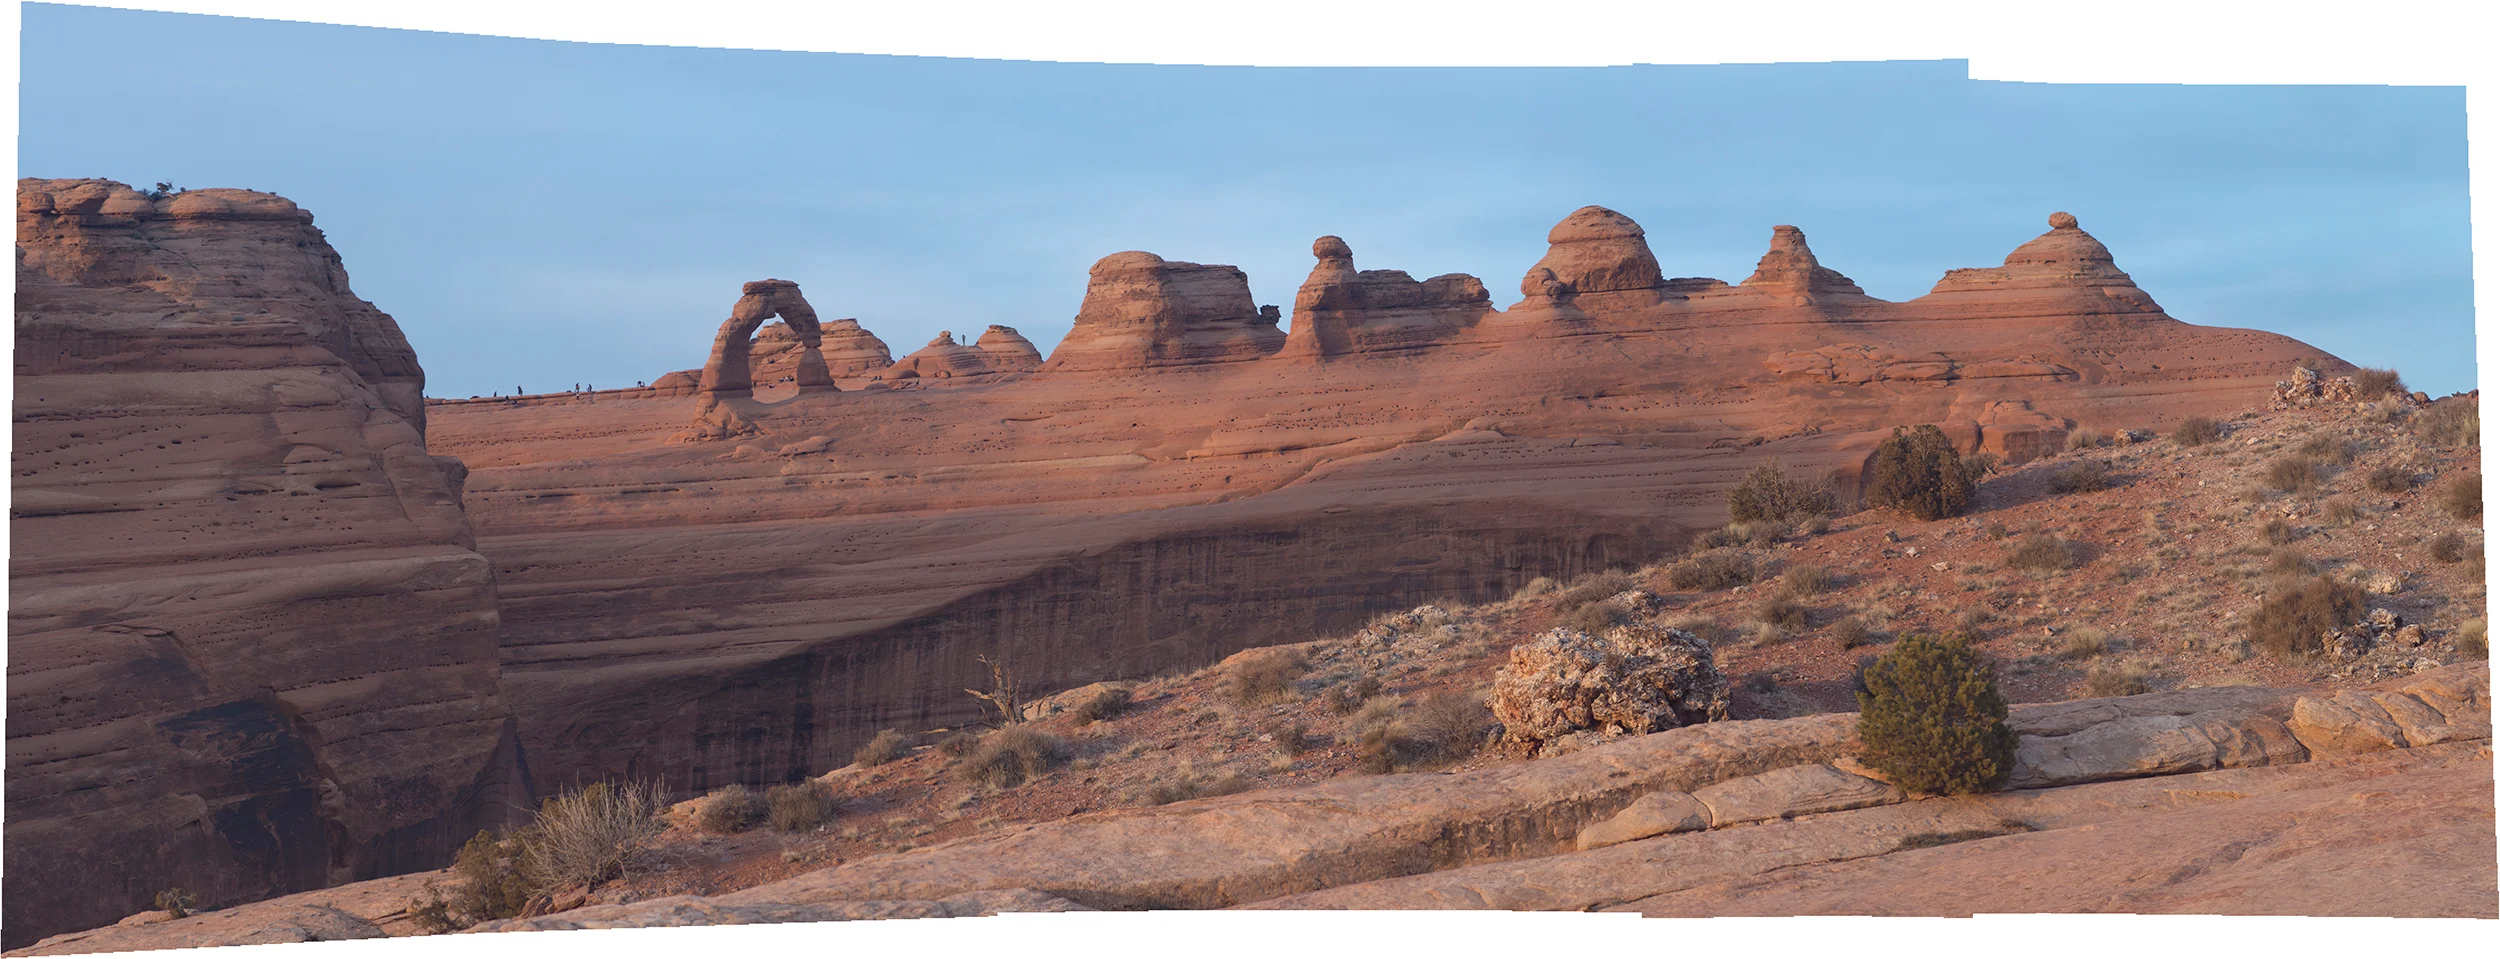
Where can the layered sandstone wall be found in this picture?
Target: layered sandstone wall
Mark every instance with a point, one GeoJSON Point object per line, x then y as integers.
{"type": "Point", "coordinates": [252, 649]}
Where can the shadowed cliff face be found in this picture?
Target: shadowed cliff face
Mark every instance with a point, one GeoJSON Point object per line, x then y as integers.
{"type": "Point", "coordinates": [1179, 482]}
{"type": "Point", "coordinates": [251, 649]}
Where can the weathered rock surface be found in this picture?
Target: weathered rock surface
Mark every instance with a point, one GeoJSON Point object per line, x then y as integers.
{"type": "Point", "coordinates": [2153, 734]}
{"type": "Point", "coordinates": [1791, 269]}
{"type": "Point", "coordinates": [852, 351]}
{"type": "Point", "coordinates": [2443, 705]}
{"type": "Point", "coordinates": [251, 648]}
{"type": "Point", "coordinates": [1142, 311]}
{"type": "Point", "coordinates": [699, 911]}
{"type": "Point", "coordinates": [1341, 310]}
{"type": "Point", "coordinates": [1791, 792]}
{"type": "Point", "coordinates": [1007, 351]}
{"type": "Point", "coordinates": [1594, 250]}
{"type": "Point", "coordinates": [942, 358]}
{"type": "Point", "coordinates": [2275, 840]}
{"type": "Point", "coordinates": [1655, 814]}
{"type": "Point", "coordinates": [1634, 679]}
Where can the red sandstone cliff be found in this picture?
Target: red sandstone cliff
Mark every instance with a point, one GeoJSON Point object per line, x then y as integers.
{"type": "Point", "coordinates": [251, 644]}
{"type": "Point", "coordinates": [1181, 479]}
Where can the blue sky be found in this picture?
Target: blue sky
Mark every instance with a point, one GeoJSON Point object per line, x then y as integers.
{"type": "Point", "coordinates": [542, 213]}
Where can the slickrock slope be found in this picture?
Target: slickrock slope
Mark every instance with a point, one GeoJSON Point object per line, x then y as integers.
{"type": "Point", "coordinates": [252, 649]}
{"type": "Point", "coordinates": [1179, 481]}
{"type": "Point", "coordinates": [1768, 819]}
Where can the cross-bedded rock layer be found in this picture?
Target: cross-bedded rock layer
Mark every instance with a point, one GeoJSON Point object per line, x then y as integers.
{"type": "Point", "coordinates": [252, 649]}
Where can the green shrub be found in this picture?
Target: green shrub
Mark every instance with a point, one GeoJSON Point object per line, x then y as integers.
{"type": "Point", "coordinates": [2461, 495]}
{"type": "Point", "coordinates": [486, 885]}
{"type": "Point", "coordinates": [1768, 494]}
{"type": "Point", "coordinates": [1931, 720]}
{"type": "Point", "coordinates": [731, 808]}
{"type": "Point", "coordinates": [1711, 571]}
{"type": "Point", "coordinates": [2088, 476]}
{"type": "Point", "coordinates": [798, 807]}
{"type": "Point", "coordinates": [886, 746]}
{"type": "Point", "coordinates": [2196, 431]}
{"type": "Point", "coordinates": [2294, 620]}
{"type": "Point", "coordinates": [1917, 472]}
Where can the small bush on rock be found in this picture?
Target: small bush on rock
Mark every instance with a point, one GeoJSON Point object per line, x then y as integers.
{"type": "Point", "coordinates": [1011, 757]}
{"type": "Point", "coordinates": [1711, 571]}
{"type": "Point", "coordinates": [2461, 495]}
{"type": "Point", "coordinates": [586, 837]}
{"type": "Point", "coordinates": [1918, 472]}
{"type": "Point", "coordinates": [2292, 473]}
{"type": "Point", "coordinates": [1931, 720]}
{"type": "Point", "coordinates": [2196, 431]}
{"type": "Point", "coordinates": [731, 808]}
{"type": "Point", "coordinates": [2370, 384]}
{"type": "Point", "coordinates": [1768, 494]}
{"type": "Point", "coordinates": [799, 807]}
{"type": "Point", "coordinates": [2391, 479]}
{"type": "Point", "coordinates": [1264, 676]}
{"type": "Point", "coordinates": [886, 746]}
{"type": "Point", "coordinates": [2088, 476]}
{"type": "Point", "coordinates": [2452, 422]}
{"type": "Point", "coordinates": [2294, 621]}
{"type": "Point", "coordinates": [2041, 551]}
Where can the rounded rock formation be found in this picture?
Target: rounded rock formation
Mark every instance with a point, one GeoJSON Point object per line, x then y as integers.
{"type": "Point", "coordinates": [1142, 311]}
{"type": "Point", "coordinates": [1634, 679]}
{"type": "Point", "coordinates": [1595, 250]}
{"type": "Point", "coordinates": [1007, 351]}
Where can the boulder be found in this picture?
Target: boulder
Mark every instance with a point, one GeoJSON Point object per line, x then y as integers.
{"type": "Point", "coordinates": [2447, 704]}
{"type": "Point", "coordinates": [2153, 734]}
{"type": "Point", "coordinates": [1633, 679]}
{"type": "Point", "coordinates": [1792, 792]}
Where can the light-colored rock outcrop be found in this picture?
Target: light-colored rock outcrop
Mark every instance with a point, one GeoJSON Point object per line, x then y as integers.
{"type": "Point", "coordinates": [1655, 814]}
{"type": "Point", "coordinates": [2153, 734]}
{"type": "Point", "coordinates": [1791, 792]}
{"type": "Point", "coordinates": [1594, 250]}
{"type": "Point", "coordinates": [943, 358]}
{"type": "Point", "coordinates": [699, 911]}
{"type": "Point", "coordinates": [251, 647]}
{"type": "Point", "coordinates": [2443, 705]}
{"type": "Point", "coordinates": [1634, 679]}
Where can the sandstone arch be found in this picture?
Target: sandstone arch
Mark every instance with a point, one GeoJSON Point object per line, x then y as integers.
{"type": "Point", "coordinates": [727, 372]}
